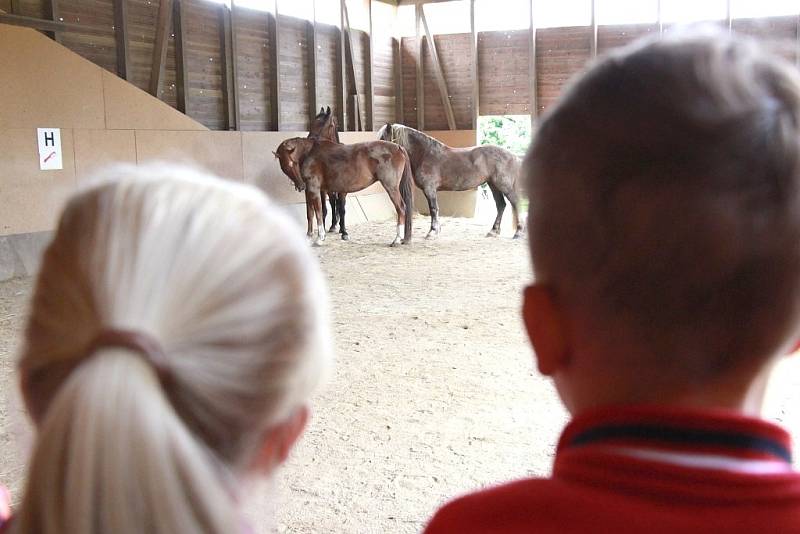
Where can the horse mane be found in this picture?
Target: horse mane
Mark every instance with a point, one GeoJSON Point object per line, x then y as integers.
{"type": "Point", "coordinates": [402, 133]}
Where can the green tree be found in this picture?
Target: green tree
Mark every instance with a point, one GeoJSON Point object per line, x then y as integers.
{"type": "Point", "coordinates": [512, 132]}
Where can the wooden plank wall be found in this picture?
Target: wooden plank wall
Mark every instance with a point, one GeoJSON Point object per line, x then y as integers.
{"type": "Point", "coordinates": [408, 54]}
{"type": "Point", "coordinates": [560, 54]}
{"type": "Point", "coordinates": [204, 100]}
{"type": "Point", "coordinates": [329, 65]}
{"type": "Point", "coordinates": [203, 56]}
{"type": "Point", "coordinates": [455, 55]}
{"type": "Point", "coordinates": [98, 14]}
{"type": "Point", "coordinates": [503, 64]}
{"type": "Point", "coordinates": [384, 77]}
{"type": "Point", "coordinates": [502, 61]}
{"type": "Point", "coordinates": [255, 68]}
{"type": "Point", "coordinates": [609, 37]}
{"type": "Point", "coordinates": [360, 40]}
{"type": "Point", "coordinates": [142, 17]}
{"type": "Point", "coordinates": [294, 57]}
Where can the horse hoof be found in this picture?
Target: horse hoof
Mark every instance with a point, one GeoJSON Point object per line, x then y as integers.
{"type": "Point", "coordinates": [345, 237]}
{"type": "Point", "coordinates": [492, 234]}
{"type": "Point", "coordinates": [517, 236]}
{"type": "Point", "coordinates": [406, 241]}
{"type": "Point", "coordinates": [394, 244]}
{"type": "Point", "coordinates": [332, 229]}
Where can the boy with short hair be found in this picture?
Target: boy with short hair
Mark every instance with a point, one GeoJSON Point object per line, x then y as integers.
{"type": "Point", "coordinates": [665, 236]}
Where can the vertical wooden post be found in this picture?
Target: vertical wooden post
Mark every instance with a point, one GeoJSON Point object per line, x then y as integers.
{"type": "Point", "coordinates": [160, 46]}
{"type": "Point", "coordinates": [312, 62]}
{"type": "Point", "coordinates": [728, 18]}
{"type": "Point", "coordinates": [16, 9]}
{"type": "Point", "coordinates": [275, 61]}
{"type": "Point", "coordinates": [181, 72]}
{"type": "Point", "coordinates": [358, 124]}
{"type": "Point", "coordinates": [420, 71]}
{"type": "Point", "coordinates": [230, 87]}
{"type": "Point", "coordinates": [439, 73]}
{"type": "Point", "coordinates": [476, 97]}
{"type": "Point", "coordinates": [594, 30]}
{"type": "Point", "coordinates": [370, 122]}
{"type": "Point", "coordinates": [121, 37]}
{"type": "Point", "coordinates": [343, 74]}
{"type": "Point", "coordinates": [51, 12]}
{"type": "Point", "coordinates": [660, 19]}
{"type": "Point", "coordinates": [797, 50]}
{"type": "Point", "coordinates": [532, 72]}
{"type": "Point", "coordinates": [397, 52]}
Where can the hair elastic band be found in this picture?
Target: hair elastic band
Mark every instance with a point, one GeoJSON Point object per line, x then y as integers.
{"type": "Point", "coordinates": [142, 344]}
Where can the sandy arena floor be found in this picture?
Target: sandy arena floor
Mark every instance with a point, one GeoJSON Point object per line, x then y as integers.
{"type": "Point", "coordinates": [433, 394]}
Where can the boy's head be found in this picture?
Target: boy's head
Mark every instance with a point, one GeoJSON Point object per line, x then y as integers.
{"type": "Point", "coordinates": [665, 222]}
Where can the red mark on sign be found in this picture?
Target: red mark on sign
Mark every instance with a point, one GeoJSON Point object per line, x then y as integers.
{"type": "Point", "coordinates": [50, 156]}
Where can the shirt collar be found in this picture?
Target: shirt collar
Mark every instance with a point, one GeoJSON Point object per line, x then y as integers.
{"type": "Point", "coordinates": [676, 430]}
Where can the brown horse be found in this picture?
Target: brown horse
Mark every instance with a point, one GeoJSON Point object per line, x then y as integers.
{"type": "Point", "coordinates": [438, 167]}
{"type": "Point", "coordinates": [314, 166]}
{"type": "Point", "coordinates": [324, 126]}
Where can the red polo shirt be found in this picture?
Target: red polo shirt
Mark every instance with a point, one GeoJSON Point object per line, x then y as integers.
{"type": "Point", "coordinates": [648, 470]}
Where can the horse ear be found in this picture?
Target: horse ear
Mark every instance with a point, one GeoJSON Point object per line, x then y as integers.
{"type": "Point", "coordinates": [328, 111]}
{"type": "Point", "coordinates": [321, 110]}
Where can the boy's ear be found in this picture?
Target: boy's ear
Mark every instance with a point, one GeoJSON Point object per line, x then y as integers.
{"type": "Point", "coordinates": [279, 440]}
{"type": "Point", "coordinates": [546, 327]}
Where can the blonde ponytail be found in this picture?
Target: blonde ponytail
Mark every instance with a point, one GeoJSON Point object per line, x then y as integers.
{"type": "Point", "coordinates": [215, 273]}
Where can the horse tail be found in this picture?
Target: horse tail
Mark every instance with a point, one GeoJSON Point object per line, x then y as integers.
{"type": "Point", "coordinates": [407, 192]}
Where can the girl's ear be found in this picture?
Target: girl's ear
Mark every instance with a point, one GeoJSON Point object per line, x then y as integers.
{"type": "Point", "coordinates": [279, 440]}
{"type": "Point", "coordinates": [547, 329]}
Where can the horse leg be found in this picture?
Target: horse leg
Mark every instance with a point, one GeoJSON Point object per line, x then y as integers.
{"type": "Point", "coordinates": [400, 207]}
{"type": "Point", "coordinates": [310, 214]}
{"type": "Point", "coordinates": [500, 202]}
{"type": "Point", "coordinates": [513, 198]}
{"type": "Point", "coordinates": [333, 198]}
{"type": "Point", "coordinates": [318, 204]}
{"type": "Point", "coordinates": [341, 202]}
{"type": "Point", "coordinates": [324, 195]}
{"type": "Point", "coordinates": [433, 206]}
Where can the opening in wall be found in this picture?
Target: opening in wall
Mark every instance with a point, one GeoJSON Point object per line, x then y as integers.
{"type": "Point", "coordinates": [512, 132]}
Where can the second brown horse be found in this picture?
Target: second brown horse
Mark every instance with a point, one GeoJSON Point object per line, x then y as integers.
{"type": "Point", "coordinates": [317, 165]}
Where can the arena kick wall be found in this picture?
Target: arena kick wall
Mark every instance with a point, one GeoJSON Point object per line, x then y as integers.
{"type": "Point", "coordinates": [104, 119]}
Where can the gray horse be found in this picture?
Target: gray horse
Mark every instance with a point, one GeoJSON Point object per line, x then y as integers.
{"type": "Point", "coordinates": [438, 167]}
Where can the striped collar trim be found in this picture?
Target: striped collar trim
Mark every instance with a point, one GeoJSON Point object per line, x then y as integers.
{"type": "Point", "coordinates": [696, 434]}
{"type": "Point", "coordinates": [708, 461]}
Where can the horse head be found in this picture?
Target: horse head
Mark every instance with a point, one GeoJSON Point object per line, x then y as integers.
{"type": "Point", "coordinates": [289, 159]}
{"type": "Point", "coordinates": [386, 133]}
{"type": "Point", "coordinates": [324, 126]}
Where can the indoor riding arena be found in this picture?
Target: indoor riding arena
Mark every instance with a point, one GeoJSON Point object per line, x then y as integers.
{"type": "Point", "coordinates": [434, 391]}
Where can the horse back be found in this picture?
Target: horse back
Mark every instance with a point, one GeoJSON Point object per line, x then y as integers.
{"type": "Point", "coordinates": [350, 168]}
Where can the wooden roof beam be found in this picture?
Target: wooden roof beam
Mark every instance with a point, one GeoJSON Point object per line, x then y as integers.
{"type": "Point", "coordinates": [163, 23]}
{"type": "Point", "coordinates": [181, 70]}
{"type": "Point", "coordinates": [440, 81]}
{"type": "Point", "coordinates": [52, 26]}
{"type": "Point", "coordinates": [121, 38]}
{"type": "Point", "coordinates": [358, 122]}
{"type": "Point", "coordinates": [275, 70]}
